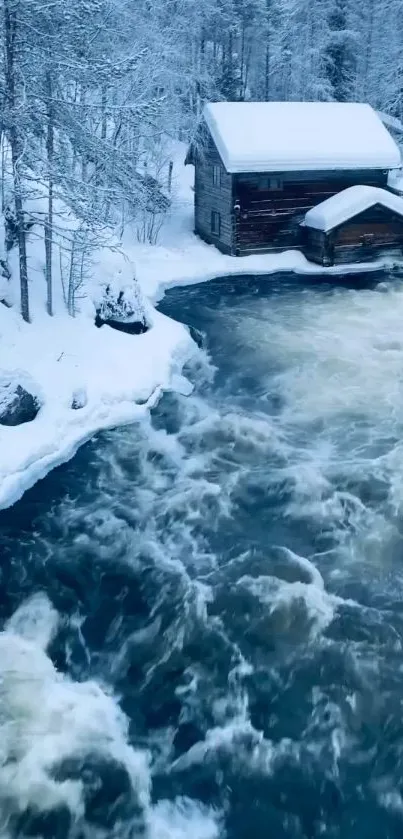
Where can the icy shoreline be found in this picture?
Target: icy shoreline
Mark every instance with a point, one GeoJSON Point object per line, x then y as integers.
{"type": "Point", "coordinates": [218, 265]}
{"type": "Point", "coordinates": [121, 375]}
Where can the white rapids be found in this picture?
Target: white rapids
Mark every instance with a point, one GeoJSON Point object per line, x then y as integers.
{"type": "Point", "coordinates": [46, 718]}
{"type": "Point", "coordinates": [256, 525]}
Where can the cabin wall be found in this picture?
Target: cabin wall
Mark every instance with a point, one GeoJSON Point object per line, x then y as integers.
{"type": "Point", "coordinates": [315, 245]}
{"type": "Point", "coordinates": [210, 197]}
{"type": "Point", "coordinates": [361, 239]}
{"type": "Point", "coordinates": [269, 218]}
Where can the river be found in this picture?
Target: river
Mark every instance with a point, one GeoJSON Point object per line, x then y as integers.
{"type": "Point", "coordinates": [202, 613]}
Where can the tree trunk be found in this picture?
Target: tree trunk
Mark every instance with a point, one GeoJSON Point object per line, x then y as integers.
{"type": "Point", "coordinates": [267, 72]}
{"type": "Point", "coordinates": [243, 70]}
{"type": "Point", "coordinates": [10, 31]}
{"type": "Point", "coordinates": [368, 47]}
{"type": "Point", "coordinates": [49, 218]}
{"type": "Point", "coordinates": [22, 247]}
{"type": "Point", "coordinates": [3, 169]}
{"type": "Point", "coordinates": [70, 291]}
{"type": "Point", "coordinates": [248, 53]}
{"type": "Point", "coordinates": [83, 103]}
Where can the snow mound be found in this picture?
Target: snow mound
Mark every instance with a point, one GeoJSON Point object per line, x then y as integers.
{"type": "Point", "coordinates": [19, 398]}
{"type": "Point", "coordinates": [124, 304]}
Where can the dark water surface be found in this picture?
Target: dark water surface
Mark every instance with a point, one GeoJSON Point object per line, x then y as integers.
{"type": "Point", "coordinates": [202, 614]}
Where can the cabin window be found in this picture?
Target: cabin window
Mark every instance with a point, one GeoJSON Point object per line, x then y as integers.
{"type": "Point", "coordinates": [265, 184]}
{"type": "Point", "coordinates": [217, 175]}
{"type": "Point", "coordinates": [275, 184]}
{"type": "Point", "coordinates": [215, 223]}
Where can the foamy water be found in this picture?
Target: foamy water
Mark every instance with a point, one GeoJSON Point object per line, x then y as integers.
{"type": "Point", "coordinates": [48, 721]}
{"type": "Point", "coordinates": [202, 615]}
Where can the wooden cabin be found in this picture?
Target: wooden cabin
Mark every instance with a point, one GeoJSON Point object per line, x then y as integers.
{"type": "Point", "coordinates": [354, 226]}
{"type": "Point", "coordinates": [260, 166]}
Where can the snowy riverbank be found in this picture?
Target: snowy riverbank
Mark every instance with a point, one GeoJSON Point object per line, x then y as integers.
{"type": "Point", "coordinates": [120, 375]}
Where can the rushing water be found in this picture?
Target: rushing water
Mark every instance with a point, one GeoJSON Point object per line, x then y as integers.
{"type": "Point", "coordinates": [203, 614]}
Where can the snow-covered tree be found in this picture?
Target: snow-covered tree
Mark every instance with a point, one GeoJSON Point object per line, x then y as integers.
{"type": "Point", "coordinates": [340, 55]}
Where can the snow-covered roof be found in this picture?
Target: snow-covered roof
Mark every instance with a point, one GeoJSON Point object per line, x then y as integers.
{"type": "Point", "coordinates": [349, 203]}
{"type": "Point", "coordinates": [290, 136]}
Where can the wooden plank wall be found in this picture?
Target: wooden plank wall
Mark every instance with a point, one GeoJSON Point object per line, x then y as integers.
{"type": "Point", "coordinates": [360, 239]}
{"type": "Point", "coordinates": [344, 255]}
{"type": "Point", "coordinates": [209, 197]}
{"type": "Point", "coordinates": [313, 244]}
{"type": "Point", "coordinates": [270, 220]}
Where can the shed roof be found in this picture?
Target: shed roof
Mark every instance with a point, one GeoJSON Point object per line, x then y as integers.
{"type": "Point", "coordinates": [305, 136]}
{"type": "Point", "coordinates": [349, 203]}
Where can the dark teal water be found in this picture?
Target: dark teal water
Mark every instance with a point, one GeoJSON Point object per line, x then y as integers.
{"type": "Point", "coordinates": [202, 614]}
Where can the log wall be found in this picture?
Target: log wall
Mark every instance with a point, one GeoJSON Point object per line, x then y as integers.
{"type": "Point", "coordinates": [361, 239]}
{"type": "Point", "coordinates": [209, 197]}
{"type": "Point", "coordinates": [269, 220]}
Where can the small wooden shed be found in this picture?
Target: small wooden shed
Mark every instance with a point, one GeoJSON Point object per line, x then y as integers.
{"type": "Point", "coordinates": [259, 166]}
{"type": "Point", "coordinates": [356, 225]}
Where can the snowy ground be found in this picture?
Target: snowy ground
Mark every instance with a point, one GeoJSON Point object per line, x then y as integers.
{"type": "Point", "coordinates": [120, 375]}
